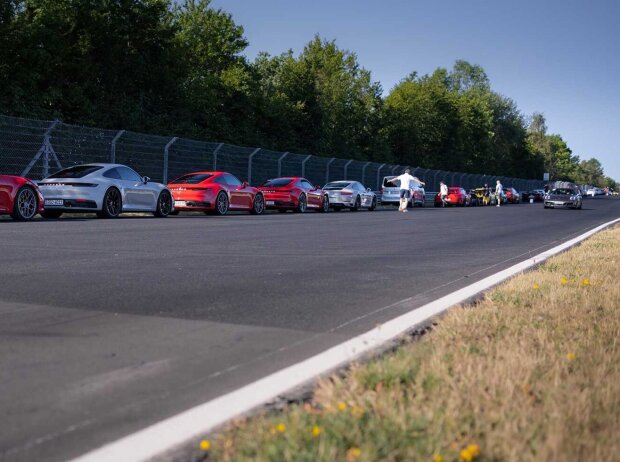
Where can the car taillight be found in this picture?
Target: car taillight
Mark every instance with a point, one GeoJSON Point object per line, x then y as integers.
{"type": "Point", "coordinates": [344, 192]}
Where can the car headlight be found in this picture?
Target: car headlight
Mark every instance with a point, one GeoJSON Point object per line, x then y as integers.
{"type": "Point", "coordinates": [572, 198]}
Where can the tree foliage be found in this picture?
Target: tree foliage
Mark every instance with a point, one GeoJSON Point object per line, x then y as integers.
{"type": "Point", "coordinates": [171, 67]}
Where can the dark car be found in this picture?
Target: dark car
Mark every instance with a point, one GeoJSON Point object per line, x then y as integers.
{"type": "Point", "coordinates": [537, 195]}
{"type": "Point", "coordinates": [564, 195]}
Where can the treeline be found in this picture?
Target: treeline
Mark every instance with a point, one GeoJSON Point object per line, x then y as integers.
{"type": "Point", "coordinates": [165, 67]}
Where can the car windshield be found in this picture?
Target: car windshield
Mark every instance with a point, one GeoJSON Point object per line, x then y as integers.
{"type": "Point", "coordinates": [277, 182]}
{"type": "Point", "coordinates": [193, 178]}
{"type": "Point", "coordinates": [563, 192]}
{"type": "Point", "coordinates": [337, 185]}
{"type": "Point", "coordinates": [79, 171]}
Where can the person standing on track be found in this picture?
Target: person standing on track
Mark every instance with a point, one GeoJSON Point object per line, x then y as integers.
{"type": "Point", "coordinates": [499, 189]}
{"type": "Point", "coordinates": [406, 185]}
{"type": "Point", "coordinates": [443, 192]}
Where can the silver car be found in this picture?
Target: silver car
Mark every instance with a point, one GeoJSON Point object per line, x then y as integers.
{"type": "Point", "coordinates": [350, 194]}
{"type": "Point", "coordinates": [390, 193]}
{"type": "Point", "coordinates": [106, 189]}
{"type": "Point", "coordinates": [564, 198]}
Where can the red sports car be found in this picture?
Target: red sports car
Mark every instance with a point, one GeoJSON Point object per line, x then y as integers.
{"type": "Point", "coordinates": [512, 196]}
{"type": "Point", "coordinates": [19, 197]}
{"type": "Point", "coordinates": [456, 196]}
{"type": "Point", "coordinates": [294, 193]}
{"type": "Point", "coordinates": [215, 193]}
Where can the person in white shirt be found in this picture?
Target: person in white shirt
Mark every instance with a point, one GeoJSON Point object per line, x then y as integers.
{"type": "Point", "coordinates": [443, 192]}
{"type": "Point", "coordinates": [406, 186]}
{"type": "Point", "coordinates": [499, 190]}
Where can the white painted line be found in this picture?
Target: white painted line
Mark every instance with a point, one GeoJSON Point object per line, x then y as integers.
{"type": "Point", "coordinates": [170, 433]}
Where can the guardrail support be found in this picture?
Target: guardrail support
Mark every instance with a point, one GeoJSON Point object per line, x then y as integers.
{"type": "Point", "coordinates": [303, 166]}
{"type": "Point", "coordinates": [346, 167]}
{"type": "Point", "coordinates": [166, 150]}
{"type": "Point", "coordinates": [250, 164]}
{"type": "Point", "coordinates": [280, 163]}
{"type": "Point", "coordinates": [219, 146]}
{"type": "Point", "coordinates": [364, 173]}
{"type": "Point", "coordinates": [113, 146]}
{"type": "Point", "coordinates": [327, 169]}
{"type": "Point", "coordinates": [46, 150]}
{"type": "Point", "coordinates": [378, 176]}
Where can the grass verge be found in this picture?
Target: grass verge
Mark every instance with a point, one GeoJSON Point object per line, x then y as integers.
{"type": "Point", "coordinates": [532, 373]}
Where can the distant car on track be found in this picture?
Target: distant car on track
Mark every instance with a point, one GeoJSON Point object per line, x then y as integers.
{"type": "Point", "coordinates": [19, 197]}
{"type": "Point", "coordinates": [390, 193]}
{"type": "Point", "coordinates": [457, 196]}
{"type": "Point", "coordinates": [351, 194]}
{"type": "Point", "coordinates": [294, 193]}
{"type": "Point", "coordinates": [216, 193]}
{"type": "Point", "coordinates": [564, 196]}
{"type": "Point", "coordinates": [537, 195]}
{"type": "Point", "coordinates": [105, 189]}
{"type": "Point", "coordinates": [512, 195]}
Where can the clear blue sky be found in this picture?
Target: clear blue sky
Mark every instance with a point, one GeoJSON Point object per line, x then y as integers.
{"type": "Point", "coordinates": [561, 58]}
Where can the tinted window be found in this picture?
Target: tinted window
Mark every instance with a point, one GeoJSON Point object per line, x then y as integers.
{"type": "Point", "coordinates": [220, 180]}
{"type": "Point", "coordinates": [193, 178]}
{"type": "Point", "coordinates": [336, 185]}
{"type": "Point", "coordinates": [388, 184]}
{"type": "Point", "coordinates": [112, 173]}
{"type": "Point", "coordinates": [128, 174]}
{"type": "Point", "coordinates": [306, 184]}
{"type": "Point", "coordinates": [359, 187]}
{"type": "Point", "coordinates": [278, 182]}
{"type": "Point", "coordinates": [232, 180]}
{"type": "Point", "coordinates": [79, 171]}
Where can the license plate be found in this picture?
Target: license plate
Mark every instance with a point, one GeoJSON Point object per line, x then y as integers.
{"type": "Point", "coordinates": [180, 203]}
{"type": "Point", "coordinates": [57, 202]}
{"type": "Point", "coordinates": [270, 202]}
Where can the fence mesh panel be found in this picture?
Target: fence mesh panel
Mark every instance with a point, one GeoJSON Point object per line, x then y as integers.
{"type": "Point", "coordinates": [36, 148]}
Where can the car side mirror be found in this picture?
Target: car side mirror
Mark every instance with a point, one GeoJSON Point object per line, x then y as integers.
{"type": "Point", "coordinates": [145, 179]}
{"type": "Point", "coordinates": [316, 187]}
{"type": "Point", "coordinates": [244, 185]}
{"type": "Point", "coordinates": [368, 190]}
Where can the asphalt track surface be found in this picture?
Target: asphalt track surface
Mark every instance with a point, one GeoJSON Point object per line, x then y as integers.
{"type": "Point", "coordinates": [111, 325]}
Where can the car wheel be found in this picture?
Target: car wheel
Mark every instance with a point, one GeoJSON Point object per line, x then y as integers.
{"type": "Point", "coordinates": [26, 204]}
{"type": "Point", "coordinates": [221, 203]}
{"type": "Point", "coordinates": [373, 205]}
{"type": "Point", "coordinates": [258, 206]}
{"type": "Point", "coordinates": [112, 204]}
{"type": "Point", "coordinates": [302, 204]}
{"type": "Point", "coordinates": [164, 205]}
{"type": "Point", "coordinates": [51, 214]}
{"type": "Point", "coordinates": [324, 204]}
{"type": "Point", "coordinates": [358, 203]}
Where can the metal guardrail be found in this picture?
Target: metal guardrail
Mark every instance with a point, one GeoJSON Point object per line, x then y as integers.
{"type": "Point", "coordinates": [35, 148]}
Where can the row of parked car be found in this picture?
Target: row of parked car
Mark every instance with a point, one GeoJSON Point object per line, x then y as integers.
{"type": "Point", "coordinates": [111, 189]}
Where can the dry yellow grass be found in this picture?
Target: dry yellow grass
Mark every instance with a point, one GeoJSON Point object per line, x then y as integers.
{"type": "Point", "coordinates": [531, 373]}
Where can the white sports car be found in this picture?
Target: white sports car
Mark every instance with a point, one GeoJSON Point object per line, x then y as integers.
{"type": "Point", "coordinates": [106, 189]}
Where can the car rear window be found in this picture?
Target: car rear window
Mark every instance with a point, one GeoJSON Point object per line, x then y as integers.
{"type": "Point", "coordinates": [193, 178]}
{"type": "Point", "coordinates": [388, 184]}
{"type": "Point", "coordinates": [78, 171]}
{"type": "Point", "coordinates": [337, 185]}
{"type": "Point", "coordinates": [277, 182]}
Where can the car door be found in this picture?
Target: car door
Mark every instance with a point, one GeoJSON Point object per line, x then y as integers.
{"type": "Point", "coordinates": [313, 194]}
{"type": "Point", "coordinates": [240, 197]}
{"type": "Point", "coordinates": [364, 195]}
{"type": "Point", "coordinates": [138, 195]}
{"type": "Point", "coordinates": [6, 190]}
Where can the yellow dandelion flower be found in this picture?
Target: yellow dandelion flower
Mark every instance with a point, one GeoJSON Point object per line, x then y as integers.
{"type": "Point", "coordinates": [205, 445]}
{"type": "Point", "coordinates": [342, 406]}
{"type": "Point", "coordinates": [466, 455]}
{"type": "Point", "coordinates": [571, 356]}
{"type": "Point", "coordinates": [536, 286]}
{"type": "Point", "coordinates": [585, 282]}
{"type": "Point", "coordinates": [563, 281]}
{"type": "Point", "coordinates": [474, 450]}
{"type": "Point", "coordinates": [316, 431]}
{"type": "Point", "coordinates": [353, 453]}
{"type": "Point", "coordinates": [437, 458]}
{"type": "Point", "coordinates": [280, 428]}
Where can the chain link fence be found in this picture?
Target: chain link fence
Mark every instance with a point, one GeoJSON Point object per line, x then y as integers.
{"type": "Point", "coordinates": [36, 148]}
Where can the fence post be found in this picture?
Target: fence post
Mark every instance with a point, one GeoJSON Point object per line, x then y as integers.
{"type": "Point", "coordinates": [113, 146]}
{"type": "Point", "coordinates": [394, 168]}
{"type": "Point", "coordinates": [378, 176]}
{"type": "Point", "coordinates": [346, 167]}
{"type": "Point", "coordinates": [45, 150]}
{"type": "Point", "coordinates": [280, 163]}
{"type": "Point", "coordinates": [219, 146]}
{"type": "Point", "coordinates": [435, 179]}
{"type": "Point", "coordinates": [364, 172]}
{"type": "Point", "coordinates": [166, 149]}
{"type": "Point", "coordinates": [250, 164]}
{"type": "Point", "coordinates": [303, 166]}
{"type": "Point", "coordinates": [327, 169]}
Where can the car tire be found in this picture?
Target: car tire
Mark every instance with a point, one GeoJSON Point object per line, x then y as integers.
{"type": "Point", "coordinates": [112, 204]}
{"type": "Point", "coordinates": [164, 205]}
{"type": "Point", "coordinates": [258, 206]}
{"type": "Point", "coordinates": [51, 214]}
{"type": "Point", "coordinates": [26, 204]}
{"type": "Point", "coordinates": [221, 203]}
{"type": "Point", "coordinates": [356, 206]}
{"type": "Point", "coordinates": [324, 204]}
{"type": "Point", "coordinates": [302, 204]}
{"type": "Point", "coordinates": [373, 205]}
